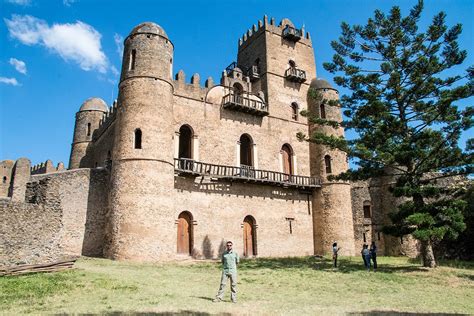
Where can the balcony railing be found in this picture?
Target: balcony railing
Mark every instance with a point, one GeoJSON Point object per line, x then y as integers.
{"type": "Point", "coordinates": [233, 101]}
{"type": "Point", "coordinates": [292, 34]}
{"type": "Point", "coordinates": [296, 75]}
{"type": "Point", "coordinates": [254, 73]}
{"type": "Point", "coordinates": [245, 174]}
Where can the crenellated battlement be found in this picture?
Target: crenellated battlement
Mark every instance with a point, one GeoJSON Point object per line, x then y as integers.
{"type": "Point", "coordinates": [107, 119]}
{"type": "Point", "coordinates": [193, 89]}
{"type": "Point", "coordinates": [271, 26]}
{"type": "Point", "coordinates": [46, 167]}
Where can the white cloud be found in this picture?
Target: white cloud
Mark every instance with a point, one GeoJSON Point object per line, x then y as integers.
{"type": "Point", "coordinates": [19, 65]}
{"type": "Point", "coordinates": [118, 39]}
{"type": "Point", "coordinates": [11, 81]}
{"type": "Point", "coordinates": [114, 70]}
{"type": "Point", "coordinates": [77, 42]}
{"type": "Point", "coordinates": [68, 3]}
{"type": "Point", "coordinates": [20, 2]}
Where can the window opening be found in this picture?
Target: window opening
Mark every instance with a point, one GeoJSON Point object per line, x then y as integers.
{"type": "Point", "coordinates": [138, 139]}
{"type": "Point", "coordinates": [327, 162]}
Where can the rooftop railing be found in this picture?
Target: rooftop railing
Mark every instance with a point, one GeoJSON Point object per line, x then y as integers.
{"type": "Point", "coordinates": [296, 75]}
{"type": "Point", "coordinates": [244, 174]}
{"type": "Point", "coordinates": [239, 102]}
{"type": "Point", "coordinates": [292, 33]}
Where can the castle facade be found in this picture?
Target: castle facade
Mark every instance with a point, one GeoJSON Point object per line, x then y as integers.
{"type": "Point", "coordinates": [175, 169]}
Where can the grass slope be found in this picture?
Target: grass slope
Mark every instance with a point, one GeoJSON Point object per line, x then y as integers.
{"type": "Point", "coordinates": [289, 286]}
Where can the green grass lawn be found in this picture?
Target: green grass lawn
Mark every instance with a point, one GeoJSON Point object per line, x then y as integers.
{"type": "Point", "coordinates": [289, 286]}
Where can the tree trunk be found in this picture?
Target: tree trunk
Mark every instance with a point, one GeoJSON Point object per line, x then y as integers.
{"type": "Point", "coordinates": [427, 254]}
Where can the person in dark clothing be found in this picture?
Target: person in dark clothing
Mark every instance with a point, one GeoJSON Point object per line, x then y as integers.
{"type": "Point", "coordinates": [373, 254]}
{"type": "Point", "coordinates": [335, 250]}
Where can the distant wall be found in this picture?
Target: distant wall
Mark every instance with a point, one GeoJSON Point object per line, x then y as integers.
{"type": "Point", "coordinates": [63, 215]}
{"type": "Point", "coordinates": [6, 174]}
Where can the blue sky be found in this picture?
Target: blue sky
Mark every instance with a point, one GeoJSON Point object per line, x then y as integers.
{"type": "Point", "coordinates": [54, 54]}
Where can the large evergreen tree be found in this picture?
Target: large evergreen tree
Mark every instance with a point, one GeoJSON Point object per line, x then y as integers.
{"type": "Point", "coordinates": [403, 107]}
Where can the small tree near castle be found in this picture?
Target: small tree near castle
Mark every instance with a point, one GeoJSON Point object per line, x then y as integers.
{"type": "Point", "coordinates": [403, 107]}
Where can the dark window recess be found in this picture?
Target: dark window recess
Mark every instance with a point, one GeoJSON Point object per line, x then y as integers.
{"type": "Point", "coordinates": [185, 142]}
{"type": "Point", "coordinates": [290, 222]}
{"type": "Point", "coordinates": [401, 240]}
{"type": "Point", "coordinates": [294, 111]}
{"type": "Point", "coordinates": [138, 139]}
{"type": "Point", "coordinates": [327, 163]}
{"type": "Point", "coordinates": [4, 179]}
{"type": "Point", "coordinates": [378, 235]}
{"type": "Point", "coordinates": [88, 129]}
{"type": "Point", "coordinates": [365, 239]}
{"type": "Point", "coordinates": [367, 211]}
{"type": "Point", "coordinates": [246, 153]}
{"type": "Point", "coordinates": [133, 56]}
{"type": "Point", "coordinates": [322, 110]}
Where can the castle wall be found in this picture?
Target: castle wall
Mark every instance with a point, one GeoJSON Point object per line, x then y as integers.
{"type": "Point", "coordinates": [219, 209]}
{"type": "Point", "coordinates": [62, 214]}
{"type": "Point", "coordinates": [6, 174]}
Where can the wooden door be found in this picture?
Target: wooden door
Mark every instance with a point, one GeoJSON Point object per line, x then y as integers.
{"type": "Point", "coordinates": [287, 167]}
{"type": "Point", "coordinates": [184, 234]}
{"type": "Point", "coordinates": [248, 237]}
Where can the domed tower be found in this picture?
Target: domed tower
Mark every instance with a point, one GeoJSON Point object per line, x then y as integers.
{"type": "Point", "coordinates": [332, 209]}
{"type": "Point", "coordinates": [142, 176]}
{"type": "Point", "coordinates": [87, 120]}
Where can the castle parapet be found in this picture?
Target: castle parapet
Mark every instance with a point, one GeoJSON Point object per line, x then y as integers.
{"type": "Point", "coordinates": [192, 90]}
{"type": "Point", "coordinates": [46, 167]}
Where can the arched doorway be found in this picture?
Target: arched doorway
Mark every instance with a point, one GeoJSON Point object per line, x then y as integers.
{"type": "Point", "coordinates": [287, 154]}
{"type": "Point", "coordinates": [185, 142]}
{"type": "Point", "coordinates": [250, 240]}
{"type": "Point", "coordinates": [185, 233]}
{"type": "Point", "coordinates": [246, 150]}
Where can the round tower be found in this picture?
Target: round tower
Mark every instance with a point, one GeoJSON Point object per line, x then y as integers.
{"type": "Point", "coordinates": [87, 120]}
{"type": "Point", "coordinates": [142, 176]}
{"type": "Point", "coordinates": [332, 206]}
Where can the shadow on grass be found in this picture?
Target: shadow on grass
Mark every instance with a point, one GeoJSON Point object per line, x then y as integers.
{"type": "Point", "coordinates": [184, 312]}
{"type": "Point", "coordinates": [466, 276]}
{"type": "Point", "coordinates": [390, 313]}
{"type": "Point", "coordinates": [345, 265]}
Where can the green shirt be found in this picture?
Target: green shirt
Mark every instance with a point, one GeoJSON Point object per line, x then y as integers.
{"type": "Point", "coordinates": [230, 261]}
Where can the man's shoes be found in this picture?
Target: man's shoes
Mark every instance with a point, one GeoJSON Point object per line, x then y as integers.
{"type": "Point", "coordinates": [217, 300]}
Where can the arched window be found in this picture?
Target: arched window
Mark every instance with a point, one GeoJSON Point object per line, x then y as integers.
{"type": "Point", "coordinates": [88, 129]}
{"type": "Point", "coordinates": [250, 236]}
{"type": "Point", "coordinates": [294, 111]}
{"type": "Point", "coordinates": [287, 154]}
{"type": "Point", "coordinates": [246, 150]}
{"type": "Point", "coordinates": [292, 63]}
{"type": "Point", "coordinates": [4, 179]}
{"type": "Point", "coordinates": [133, 55]}
{"type": "Point", "coordinates": [322, 110]}
{"type": "Point", "coordinates": [138, 138]}
{"type": "Point", "coordinates": [185, 142]}
{"type": "Point", "coordinates": [185, 233]}
{"type": "Point", "coordinates": [238, 89]}
{"type": "Point", "coordinates": [367, 209]}
{"type": "Point", "coordinates": [327, 163]}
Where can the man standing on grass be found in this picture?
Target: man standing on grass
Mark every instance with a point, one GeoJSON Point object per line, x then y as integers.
{"type": "Point", "coordinates": [230, 259]}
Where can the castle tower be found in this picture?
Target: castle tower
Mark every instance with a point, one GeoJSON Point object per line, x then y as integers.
{"type": "Point", "coordinates": [87, 120]}
{"type": "Point", "coordinates": [332, 210]}
{"type": "Point", "coordinates": [279, 60]}
{"type": "Point", "coordinates": [142, 176]}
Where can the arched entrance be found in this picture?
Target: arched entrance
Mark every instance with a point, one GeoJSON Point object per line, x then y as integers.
{"type": "Point", "coordinates": [287, 152]}
{"type": "Point", "coordinates": [185, 142]}
{"type": "Point", "coordinates": [185, 233]}
{"type": "Point", "coordinates": [250, 240]}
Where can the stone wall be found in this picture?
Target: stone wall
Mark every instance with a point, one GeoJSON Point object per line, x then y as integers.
{"type": "Point", "coordinates": [62, 214]}
{"type": "Point", "coordinates": [6, 174]}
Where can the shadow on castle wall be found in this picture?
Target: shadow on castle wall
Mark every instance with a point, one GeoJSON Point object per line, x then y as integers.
{"type": "Point", "coordinates": [203, 184]}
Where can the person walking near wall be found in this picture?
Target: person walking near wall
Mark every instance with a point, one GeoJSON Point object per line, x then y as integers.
{"type": "Point", "coordinates": [373, 254]}
{"type": "Point", "coordinates": [230, 260]}
{"type": "Point", "coordinates": [362, 254]}
{"type": "Point", "coordinates": [366, 255]}
{"type": "Point", "coordinates": [335, 250]}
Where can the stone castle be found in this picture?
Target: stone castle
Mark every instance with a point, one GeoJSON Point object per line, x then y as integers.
{"type": "Point", "coordinates": [174, 169]}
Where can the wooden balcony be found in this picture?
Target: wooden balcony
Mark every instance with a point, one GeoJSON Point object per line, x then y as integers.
{"type": "Point", "coordinates": [244, 174]}
{"type": "Point", "coordinates": [296, 75]}
{"type": "Point", "coordinates": [238, 102]}
{"type": "Point", "coordinates": [254, 73]}
{"type": "Point", "coordinates": [292, 34]}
